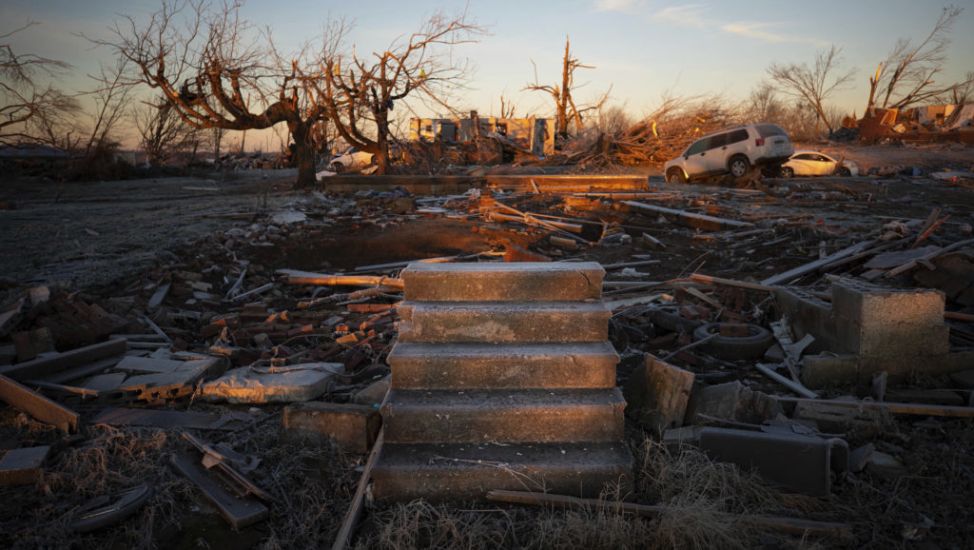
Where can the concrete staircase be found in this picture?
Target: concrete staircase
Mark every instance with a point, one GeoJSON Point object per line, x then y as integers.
{"type": "Point", "coordinates": [502, 378]}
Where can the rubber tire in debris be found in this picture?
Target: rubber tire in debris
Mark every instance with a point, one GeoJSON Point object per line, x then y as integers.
{"type": "Point", "coordinates": [675, 175]}
{"type": "Point", "coordinates": [669, 318]}
{"type": "Point", "coordinates": [787, 172]}
{"type": "Point", "coordinates": [752, 346]}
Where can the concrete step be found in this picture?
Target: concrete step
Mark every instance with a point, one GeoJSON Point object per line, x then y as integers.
{"type": "Point", "coordinates": [504, 416]}
{"type": "Point", "coordinates": [467, 472]}
{"type": "Point", "coordinates": [502, 366]}
{"type": "Point", "coordinates": [503, 281]}
{"type": "Point", "coordinates": [503, 322]}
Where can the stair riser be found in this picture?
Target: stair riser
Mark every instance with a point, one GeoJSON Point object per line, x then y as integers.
{"type": "Point", "coordinates": [524, 424]}
{"type": "Point", "coordinates": [462, 373]}
{"type": "Point", "coordinates": [446, 483]}
{"type": "Point", "coordinates": [504, 287]}
{"type": "Point", "coordinates": [521, 326]}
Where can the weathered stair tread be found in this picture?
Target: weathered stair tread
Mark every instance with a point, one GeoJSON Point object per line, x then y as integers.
{"type": "Point", "coordinates": [508, 416]}
{"type": "Point", "coordinates": [501, 366]}
{"type": "Point", "coordinates": [466, 472]}
{"type": "Point", "coordinates": [503, 281]}
{"type": "Point", "coordinates": [498, 322]}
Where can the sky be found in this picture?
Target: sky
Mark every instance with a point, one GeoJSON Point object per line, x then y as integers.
{"type": "Point", "coordinates": [642, 49]}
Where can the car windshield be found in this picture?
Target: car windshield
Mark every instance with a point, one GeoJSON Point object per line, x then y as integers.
{"type": "Point", "coordinates": [768, 130]}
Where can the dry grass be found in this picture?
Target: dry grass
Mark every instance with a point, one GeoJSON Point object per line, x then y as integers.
{"type": "Point", "coordinates": [703, 498]}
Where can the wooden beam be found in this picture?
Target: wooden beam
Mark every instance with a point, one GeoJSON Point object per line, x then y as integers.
{"type": "Point", "coordinates": [707, 279]}
{"type": "Point", "coordinates": [296, 277]}
{"type": "Point", "coordinates": [23, 398]}
{"type": "Point", "coordinates": [701, 221]}
{"type": "Point", "coordinates": [783, 524]}
{"type": "Point", "coordinates": [796, 272]}
{"type": "Point", "coordinates": [916, 409]}
{"type": "Point", "coordinates": [45, 366]}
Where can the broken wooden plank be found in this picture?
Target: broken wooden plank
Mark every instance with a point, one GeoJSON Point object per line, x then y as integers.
{"type": "Point", "coordinates": [915, 409]}
{"type": "Point", "coordinates": [61, 388]}
{"type": "Point", "coordinates": [790, 384]}
{"type": "Point", "coordinates": [23, 398]}
{"type": "Point", "coordinates": [239, 512]}
{"type": "Point", "coordinates": [119, 416]}
{"type": "Point", "coordinates": [691, 219]}
{"type": "Point", "coordinates": [46, 366]}
{"type": "Point", "coordinates": [707, 279]}
{"type": "Point", "coordinates": [158, 296]}
{"type": "Point", "coordinates": [926, 257]}
{"type": "Point", "coordinates": [796, 272]}
{"type": "Point", "coordinates": [296, 277]}
{"type": "Point", "coordinates": [784, 524]}
{"type": "Point", "coordinates": [82, 371]}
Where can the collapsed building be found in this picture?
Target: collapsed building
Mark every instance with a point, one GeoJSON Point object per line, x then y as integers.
{"type": "Point", "coordinates": [531, 135]}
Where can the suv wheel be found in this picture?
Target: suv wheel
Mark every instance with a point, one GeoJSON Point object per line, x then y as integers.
{"type": "Point", "coordinates": [675, 175]}
{"type": "Point", "coordinates": [738, 166]}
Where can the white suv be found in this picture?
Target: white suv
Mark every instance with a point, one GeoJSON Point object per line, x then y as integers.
{"type": "Point", "coordinates": [732, 151]}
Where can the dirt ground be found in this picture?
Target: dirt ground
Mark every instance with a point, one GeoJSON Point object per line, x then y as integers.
{"type": "Point", "coordinates": [117, 241]}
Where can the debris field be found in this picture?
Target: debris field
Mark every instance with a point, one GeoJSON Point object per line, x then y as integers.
{"type": "Point", "coordinates": [719, 366]}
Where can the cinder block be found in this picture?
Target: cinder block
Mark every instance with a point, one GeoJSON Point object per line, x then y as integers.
{"type": "Point", "coordinates": [503, 281]}
{"type": "Point", "coordinates": [824, 371]}
{"type": "Point", "coordinates": [352, 427]}
{"type": "Point", "coordinates": [23, 466]}
{"type": "Point", "coordinates": [892, 338]}
{"type": "Point", "coordinates": [808, 314]}
{"type": "Point", "coordinates": [868, 305]}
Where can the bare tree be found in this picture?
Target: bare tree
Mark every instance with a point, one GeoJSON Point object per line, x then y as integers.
{"type": "Point", "coordinates": [565, 108]}
{"type": "Point", "coordinates": [161, 131]}
{"type": "Point", "coordinates": [908, 74]}
{"type": "Point", "coordinates": [764, 105]}
{"type": "Point", "coordinates": [361, 93]}
{"type": "Point", "coordinates": [110, 100]}
{"type": "Point", "coordinates": [218, 72]}
{"type": "Point", "coordinates": [29, 111]}
{"type": "Point", "coordinates": [812, 84]}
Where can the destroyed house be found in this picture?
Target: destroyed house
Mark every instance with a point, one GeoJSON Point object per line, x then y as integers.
{"type": "Point", "coordinates": [534, 134]}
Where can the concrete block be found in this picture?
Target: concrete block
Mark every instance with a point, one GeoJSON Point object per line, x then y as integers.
{"type": "Point", "coordinates": [287, 384]}
{"type": "Point", "coordinates": [866, 304]}
{"type": "Point", "coordinates": [516, 416]}
{"type": "Point", "coordinates": [500, 322]}
{"type": "Point", "coordinates": [657, 394]}
{"type": "Point", "coordinates": [800, 463]}
{"type": "Point", "coordinates": [23, 466]}
{"type": "Point", "coordinates": [352, 427]}
{"type": "Point", "coordinates": [825, 371]}
{"type": "Point", "coordinates": [730, 401]}
{"type": "Point", "coordinates": [503, 281]}
{"type": "Point", "coordinates": [373, 394]}
{"type": "Point", "coordinates": [503, 366]}
{"type": "Point", "coordinates": [891, 338]}
{"type": "Point", "coordinates": [808, 314]}
{"type": "Point", "coordinates": [467, 472]}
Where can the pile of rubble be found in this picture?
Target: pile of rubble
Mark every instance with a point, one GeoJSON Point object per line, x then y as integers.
{"type": "Point", "coordinates": [782, 329]}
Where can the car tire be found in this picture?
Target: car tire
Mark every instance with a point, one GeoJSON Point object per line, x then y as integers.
{"type": "Point", "coordinates": [752, 346]}
{"type": "Point", "coordinates": [843, 171]}
{"type": "Point", "coordinates": [738, 166]}
{"type": "Point", "coordinates": [787, 172]}
{"type": "Point", "coordinates": [675, 175]}
{"type": "Point", "coordinates": [337, 167]}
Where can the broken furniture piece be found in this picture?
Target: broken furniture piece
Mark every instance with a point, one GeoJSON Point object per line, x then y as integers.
{"type": "Point", "coordinates": [502, 376]}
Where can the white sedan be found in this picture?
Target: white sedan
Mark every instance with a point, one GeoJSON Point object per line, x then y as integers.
{"type": "Point", "coordinates": [814, 163]}
{"type": "Point", "coordinates": [352, 160]}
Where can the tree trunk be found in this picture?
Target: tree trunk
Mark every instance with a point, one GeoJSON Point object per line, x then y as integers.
{"type": "Point", "coordinates": [304, 155]}
{"type": "Point", "coordinates": [382, 141]}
